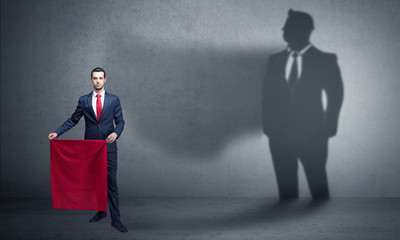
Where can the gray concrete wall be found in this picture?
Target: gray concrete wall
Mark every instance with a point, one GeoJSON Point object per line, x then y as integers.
{"type": "Point", "coordinates": [189, 77]}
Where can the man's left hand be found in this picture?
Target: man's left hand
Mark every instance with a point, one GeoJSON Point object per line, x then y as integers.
{"type": "Point", "coordinates": [111, 138]}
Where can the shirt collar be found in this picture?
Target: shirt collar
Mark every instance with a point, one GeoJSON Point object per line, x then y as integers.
{"type": "Point", "coordinates": [302, 51]}
{"type": "Point", "coordinates": [102, 93]}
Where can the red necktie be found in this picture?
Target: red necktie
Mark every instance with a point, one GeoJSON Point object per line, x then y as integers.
{"type": "Point", "coordinates": [99, 107]}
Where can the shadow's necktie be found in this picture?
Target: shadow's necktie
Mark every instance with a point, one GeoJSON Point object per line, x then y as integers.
{"type": "Point", "coordinates": [293, 77]}
{"type": "Point", "coordinates": [99, 107]}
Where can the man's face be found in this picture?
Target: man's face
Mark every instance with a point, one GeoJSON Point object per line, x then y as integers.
{"type": "Point", "coordinates": [98, 80]}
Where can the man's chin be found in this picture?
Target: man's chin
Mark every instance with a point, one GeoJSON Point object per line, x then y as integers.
{"type": "Point", "coordinates": [98, 89]}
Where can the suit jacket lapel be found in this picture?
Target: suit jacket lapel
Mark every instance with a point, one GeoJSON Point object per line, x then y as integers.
{"type": "Point", "coordinates": [106, 103]}
{"type": "Point", "coordinates": [283, 58]}
{"type": "Point", "coordinates": [89, 102]}
{"type": "Point", "coordinates": [307, 62]}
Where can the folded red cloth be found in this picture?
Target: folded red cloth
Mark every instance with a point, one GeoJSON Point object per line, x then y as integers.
{"type": "Point", "coordinates": [79, 174]}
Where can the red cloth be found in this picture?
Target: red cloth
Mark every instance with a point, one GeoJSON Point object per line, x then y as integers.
{"type": "Point", "coordinates": [79, 174]}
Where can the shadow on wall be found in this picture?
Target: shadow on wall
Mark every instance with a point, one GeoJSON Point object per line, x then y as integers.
{"type": "Point", "coordinates": [294, 119]}
{"type": "Point", "coordinates": [192, 100]}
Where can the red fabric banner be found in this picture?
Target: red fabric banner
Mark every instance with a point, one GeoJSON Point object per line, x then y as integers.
{"type": "Point", "coordinates": [79, 174]}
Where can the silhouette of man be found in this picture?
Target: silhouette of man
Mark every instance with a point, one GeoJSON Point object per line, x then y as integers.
{"type": "Point", "coordinates": [294, 118]}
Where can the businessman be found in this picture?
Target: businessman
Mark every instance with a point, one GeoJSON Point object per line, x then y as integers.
{"type": "Point", "coordinates": [297, 123]}
{"type": "Point", "coordinates": [101, 109]}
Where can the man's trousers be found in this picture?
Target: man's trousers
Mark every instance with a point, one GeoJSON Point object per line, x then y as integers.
{"type": "Point", "coordinates": [113, 198]}
{"type": "Point", "coordinates": [286, 150]}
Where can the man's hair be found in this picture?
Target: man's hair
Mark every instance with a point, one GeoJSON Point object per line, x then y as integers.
{"type": "Point", "coordinates": [301, 20]}
{"type": "Point", "coordinates": [98, 69]}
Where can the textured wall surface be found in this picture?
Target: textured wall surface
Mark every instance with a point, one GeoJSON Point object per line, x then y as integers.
{"type": "Point", "coordinates": [189, 76]}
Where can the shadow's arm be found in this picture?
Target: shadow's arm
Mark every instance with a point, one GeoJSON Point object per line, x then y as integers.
{"type": "Point", "coordinates": [335, 92]}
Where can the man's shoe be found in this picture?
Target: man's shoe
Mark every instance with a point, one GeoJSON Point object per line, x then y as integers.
{"type": "Point", "coordinates": [119, 226]}
{"type": "Point", "coordinates": [98, 216]}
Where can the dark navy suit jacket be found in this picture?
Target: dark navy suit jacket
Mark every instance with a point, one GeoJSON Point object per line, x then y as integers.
{"type": "Point", "coordinates": [94, 129]}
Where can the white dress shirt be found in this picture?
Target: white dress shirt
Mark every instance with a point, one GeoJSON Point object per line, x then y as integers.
{"type": "Point", "coordinates": [290, 60]}
{"type": "Point", "coordinates": [94, 100]}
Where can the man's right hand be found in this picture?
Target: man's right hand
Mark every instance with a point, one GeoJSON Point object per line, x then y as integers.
{"type": "Point", "coordinates": [52, 135]}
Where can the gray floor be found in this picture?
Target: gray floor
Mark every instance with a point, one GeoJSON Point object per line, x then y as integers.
{"type": "Point", "coordinates": [210, 218]}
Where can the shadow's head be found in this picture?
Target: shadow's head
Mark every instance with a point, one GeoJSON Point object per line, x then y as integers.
{"type": "Point", "coordinates": [297, 29]}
